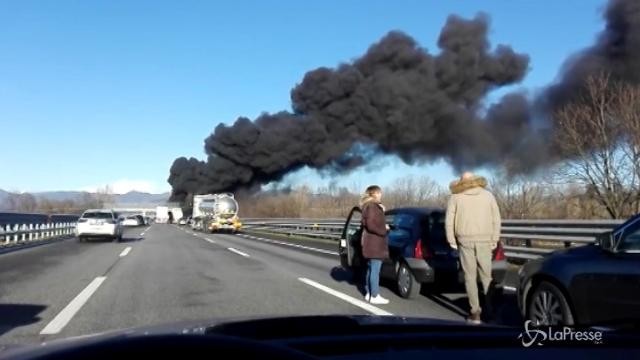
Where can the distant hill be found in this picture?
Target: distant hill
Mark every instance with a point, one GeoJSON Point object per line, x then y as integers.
{"type": "Point", "coordinates": [60, 195]}
{"type": "Point", "coordinates": [3, 197]}
{"type": "Point", "coordinates": [132, 197]}
{"type": "Point", "coordinates": [136, 197]}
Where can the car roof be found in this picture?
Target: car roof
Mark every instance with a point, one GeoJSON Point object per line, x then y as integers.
{"type": "Point", "coordinates": [99, 210]}
{"type": "Point", "coordinates": [415, 210]}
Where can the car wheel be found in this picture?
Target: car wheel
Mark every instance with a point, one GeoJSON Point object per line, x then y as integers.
{"type": "Point", "coordinates": [407, 284]}
{"type": "Point", "coordinates": [549, 306]}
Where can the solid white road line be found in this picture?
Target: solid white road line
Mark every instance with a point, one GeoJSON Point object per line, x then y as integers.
{"type": "Point", "coordinates": [238, 252]}
{"type": "Point", "coordinates": [63, 318]}
{"type": "Point", "coordinates": [351, 300]}
{"type": "Point", "coordinates": [509, 288]}
{"type": "Point", "coordinates": [125, 251]}
{"type": "Point", "coordinates": [296, 246]}
{"type": "Point", "coordinates": [209, 240]}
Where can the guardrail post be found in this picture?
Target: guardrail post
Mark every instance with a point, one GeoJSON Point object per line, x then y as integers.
{"type": "Point", "coordinates": [3, 236]}
{"type": "Point", "coordinates": [37, 231]}
{"type": "Point", "coordinates": [30, 229]}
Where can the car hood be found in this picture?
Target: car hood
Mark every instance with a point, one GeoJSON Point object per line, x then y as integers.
{"type": "Point", "coordinates": [259, 328]}
{"type": "Point", "coordinates": [563, 256]}
{"type": "Point", "coordinates": [577, 252]}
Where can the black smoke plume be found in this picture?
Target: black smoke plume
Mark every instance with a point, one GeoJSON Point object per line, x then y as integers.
{"type": "Point", "coordinates": [396, 99]}
{"type": "Point", "coordinates": [400, 99]}
{"type": "Point", "coordinates": [616, 52]}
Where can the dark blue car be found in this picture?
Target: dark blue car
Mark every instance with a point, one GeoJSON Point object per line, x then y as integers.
{"type": "Point", "coordinates": [418, 250]}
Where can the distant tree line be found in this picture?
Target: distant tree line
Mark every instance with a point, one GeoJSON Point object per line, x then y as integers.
{"type": "Point", "coordinates": [519, 197]}
{"type": "Point", "coordinates": [29, 203]}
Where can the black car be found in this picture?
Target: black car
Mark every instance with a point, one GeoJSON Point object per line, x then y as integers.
{"type": "Point", "coordinates": [592, 284]}
{"type": "Point", "coordinates": [418, 250]}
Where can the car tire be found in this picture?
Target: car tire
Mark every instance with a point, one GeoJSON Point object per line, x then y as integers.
{"type": "Point", "coordinates": [549, 306]}
{"type": "Point", "coordinates": [407, 284]}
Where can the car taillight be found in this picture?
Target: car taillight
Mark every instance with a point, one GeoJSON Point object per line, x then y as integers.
{"type": "Point", "coordinates": [418, 252]}
{"type": "Point", "coordinates": [82, 220]}
{"type": "Point", "coordinates": [499, 253]}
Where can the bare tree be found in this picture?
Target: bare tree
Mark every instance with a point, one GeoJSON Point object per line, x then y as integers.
{"type": "Point", "coordinates": [519, 197]}
{"type": "Point", "coordinates": [627, 102]}
{"type": "Point", "coordinates": [104, 195]}
{"type": "Point", "coordinates": [23, 202]}
{"type": "Point", "coordinates": [412, 191]}
{"type": "Point", "coordinates": [592, 131]}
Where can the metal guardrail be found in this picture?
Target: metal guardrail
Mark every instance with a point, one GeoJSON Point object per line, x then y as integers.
{"type": "Point", "coordinates": [522, 239]}
{"type": "Point", "coordinates": [23, 233]}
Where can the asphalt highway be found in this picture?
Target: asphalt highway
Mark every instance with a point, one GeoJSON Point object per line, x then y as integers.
{"type": "Point", "coordinates": [165, 273]}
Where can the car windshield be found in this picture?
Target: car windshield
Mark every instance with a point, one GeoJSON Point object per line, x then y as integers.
{"type": "Point", "coordinates": [97, 215]}
{"type": "Point", "coordinates": [185, 162]}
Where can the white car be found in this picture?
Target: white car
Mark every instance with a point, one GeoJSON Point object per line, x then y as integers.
{"type": "Point", "coordinates": [99, 223]}
{"type": "Point", "coordinates": [131, 221]}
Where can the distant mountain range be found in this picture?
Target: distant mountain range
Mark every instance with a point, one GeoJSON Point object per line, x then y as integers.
{"type": "Point", "coordinates": [3, 196]}
{"type": "Point", "coordinates": [132, 197]}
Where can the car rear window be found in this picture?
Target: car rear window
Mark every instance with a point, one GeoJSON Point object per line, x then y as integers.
{"type": "Point", "coordinates": [97, 215]}
{"type": "Point", "coordinates": [434, 229]}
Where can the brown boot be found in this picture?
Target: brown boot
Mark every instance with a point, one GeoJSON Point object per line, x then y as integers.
{"type": "Point", "coordinates": [474, 318]}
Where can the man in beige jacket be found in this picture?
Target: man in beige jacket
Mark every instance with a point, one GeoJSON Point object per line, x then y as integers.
{"type": "Point", "coordinates": [473, 227]}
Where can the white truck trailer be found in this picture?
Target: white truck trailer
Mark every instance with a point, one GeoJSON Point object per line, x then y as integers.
{"type": "Point", "coordinates": [162, 214]}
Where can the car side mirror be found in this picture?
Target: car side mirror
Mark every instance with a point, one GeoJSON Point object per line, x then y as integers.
{"type": "Point", "coordinates": [605, 241]}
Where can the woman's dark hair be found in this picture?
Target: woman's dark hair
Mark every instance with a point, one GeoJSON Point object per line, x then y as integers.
{"type": "Point", "coordinates": [373, 189]}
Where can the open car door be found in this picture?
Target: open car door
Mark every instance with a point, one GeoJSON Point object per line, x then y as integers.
{"type": "Point", "coordinates": [349, 247]}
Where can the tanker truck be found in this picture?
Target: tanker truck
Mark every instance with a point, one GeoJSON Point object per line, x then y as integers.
{"type": "Point", "coordinates": [215, 212]}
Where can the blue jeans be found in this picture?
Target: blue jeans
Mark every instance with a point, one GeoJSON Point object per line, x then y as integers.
{"type": "Point", "coordinates": [372, 281]}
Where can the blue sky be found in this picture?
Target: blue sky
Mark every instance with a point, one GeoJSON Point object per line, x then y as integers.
{"type": "Point", "coordinates": [111, 92]}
